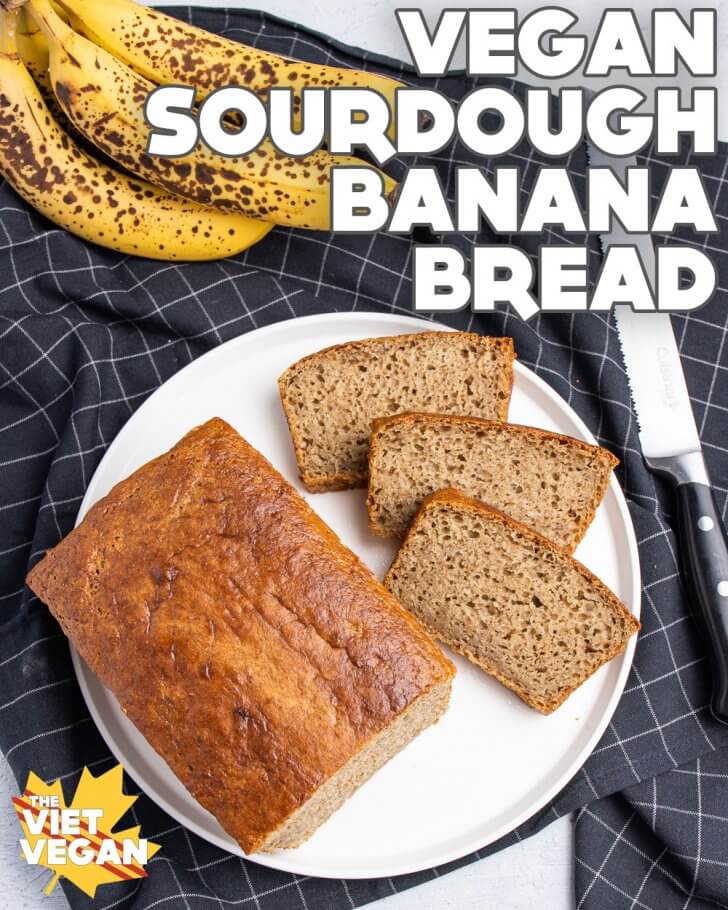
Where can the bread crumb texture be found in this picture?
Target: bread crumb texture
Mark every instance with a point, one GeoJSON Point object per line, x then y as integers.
{"type": "Point", "coordinates": [549, 482]}
{"type": "Point", "coordinates": [507, 599]}
{"type": "Point", "coordinates": [331, 398]}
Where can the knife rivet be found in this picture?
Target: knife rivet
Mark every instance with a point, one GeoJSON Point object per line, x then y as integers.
{"type": "Point", "coordinates": [723, 588]}
{"type": "Point", "coordinates": [705, 523]}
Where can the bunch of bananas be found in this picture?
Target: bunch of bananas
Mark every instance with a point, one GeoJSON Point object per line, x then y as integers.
{"type": "Point", "coordinates": [74, 77]}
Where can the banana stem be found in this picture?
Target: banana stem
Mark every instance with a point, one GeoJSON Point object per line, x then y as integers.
{"type": "Point", "coordinates": [8, 22]}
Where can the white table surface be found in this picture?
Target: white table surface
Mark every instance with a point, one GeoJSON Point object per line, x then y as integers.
{"type": "Point", "coordinates": [539, 871]}
{"type": "Point", "coordinates": [535, 873]}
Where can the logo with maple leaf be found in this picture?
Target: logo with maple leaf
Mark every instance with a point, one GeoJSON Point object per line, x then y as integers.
{"type": "Point", "coordinates": [78, 840]}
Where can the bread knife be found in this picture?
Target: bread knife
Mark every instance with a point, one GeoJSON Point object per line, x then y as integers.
{"type": "Point", "coordinates": [671, 446]}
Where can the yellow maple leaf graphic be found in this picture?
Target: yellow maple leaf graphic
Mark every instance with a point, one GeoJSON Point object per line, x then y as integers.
{"type": "Point", "coordinates": [106, 847]}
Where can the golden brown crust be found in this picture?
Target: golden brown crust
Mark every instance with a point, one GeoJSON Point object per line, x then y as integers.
{"type": "Point", "coordinates": [450, 497]}
{"type": "Point", "coordinates": [348, 480]}
{"type": "Point", "coordinates": [598, 453]}
{"type": "Point", "coordinates": [253, 650]}
{"type": "Point", "coordinates": [315, 483]}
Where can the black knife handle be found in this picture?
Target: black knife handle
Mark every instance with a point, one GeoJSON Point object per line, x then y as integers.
{"type": "Point", "coordinates": [706, 562]}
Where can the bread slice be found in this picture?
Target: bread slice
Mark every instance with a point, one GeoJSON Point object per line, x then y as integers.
{"type": "Point", "coordinates": [509, 600]}
{"type": "Point", "coordinates": [260, 658]}
{"type": "Point", "coordinates": [331, 398]}
{"type": "Point", "coordinates": [551, 483]}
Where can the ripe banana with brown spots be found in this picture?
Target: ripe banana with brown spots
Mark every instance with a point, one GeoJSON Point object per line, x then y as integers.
{"type": "Point", "coordinates": [104, 99]}
{"type": "Point", "coordinates": [95, 202]}
{"type": "Point", "coordinates": [169, 51]}
{"type": "Point", "coordinates": [33, 51]}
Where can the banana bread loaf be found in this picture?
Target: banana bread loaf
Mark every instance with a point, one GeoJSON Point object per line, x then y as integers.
{"type": "Point", "coordinates": [259, 657]}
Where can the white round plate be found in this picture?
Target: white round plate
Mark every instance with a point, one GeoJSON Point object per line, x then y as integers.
{"type": "Point", "coordinates": [491, 762]}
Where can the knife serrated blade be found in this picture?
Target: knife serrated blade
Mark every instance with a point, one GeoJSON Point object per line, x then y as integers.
{"type": "Point", "coordinates": [671, 446]}
{"type": "Point", "coordinates": [657, 384]}
{"type": "Point", "coordinates": [654, 370]}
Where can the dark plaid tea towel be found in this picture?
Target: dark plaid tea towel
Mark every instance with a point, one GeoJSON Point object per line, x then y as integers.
{"type": "Point", "coordinates": [86, 335]}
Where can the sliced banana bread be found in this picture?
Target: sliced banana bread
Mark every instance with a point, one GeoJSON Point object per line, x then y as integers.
{"type": "Point", "coordinates": [507, 599]}
{"type": "Point", "coordinates": [551, 483]}
{"type": "Point", "coordinates": [331, 398]}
